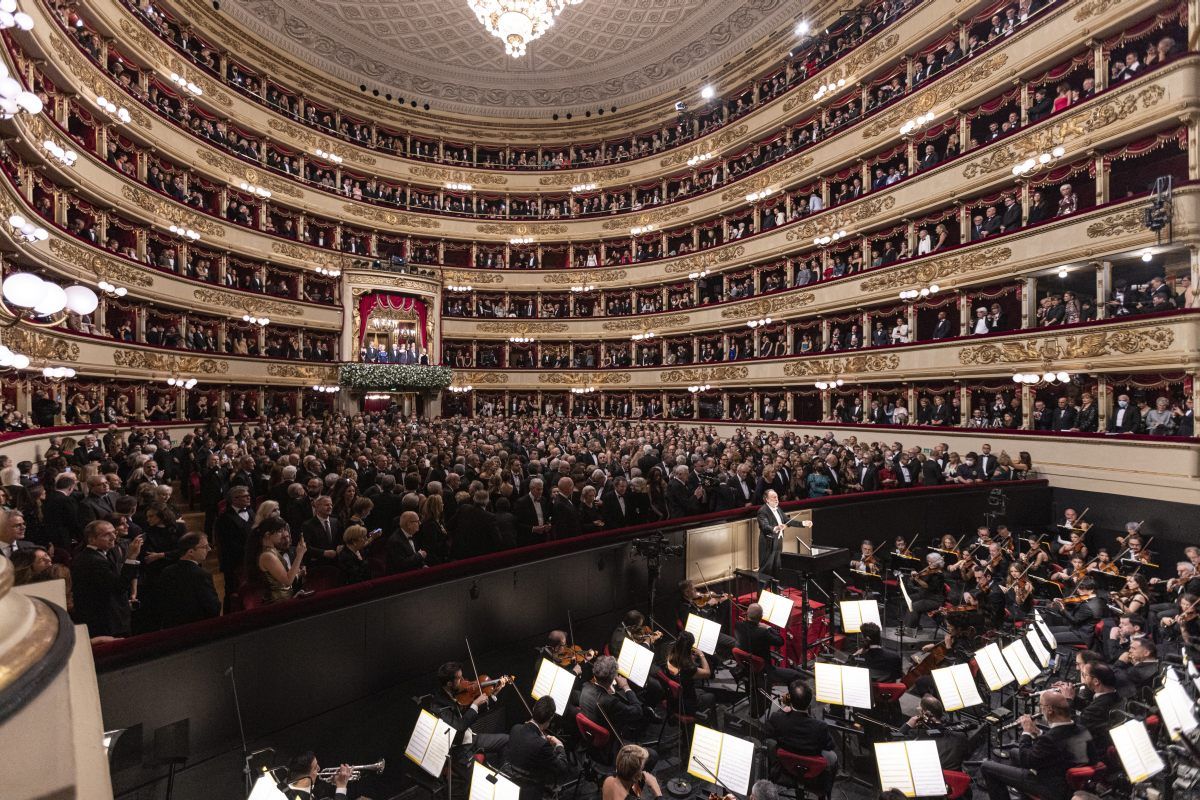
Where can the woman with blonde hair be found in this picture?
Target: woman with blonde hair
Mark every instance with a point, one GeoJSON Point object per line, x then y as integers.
{"type": "Point", "coordinates": [432, 536]}
{"type": "Point", "coordinates": [630, 780]}
{"type": "Point", "coordinates": [350, 561]}
{"type": "Point", "coordinates": [266, 509]}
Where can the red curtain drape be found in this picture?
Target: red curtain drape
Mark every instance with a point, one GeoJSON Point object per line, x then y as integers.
{"type": "Point", "coordinates": [397, 302]}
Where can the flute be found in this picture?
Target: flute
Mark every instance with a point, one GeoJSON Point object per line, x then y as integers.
{"type": "Point", "coordinates": [1012, 725]}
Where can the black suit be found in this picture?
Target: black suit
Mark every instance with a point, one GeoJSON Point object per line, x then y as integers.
{"type": "Point", "coordinates": [1038, 766]}
{"type": "Point", "coordinates": [527, 518]}
{"type": "Point", "coordinates": [475, 532]}
{"type": "Point", "coordinates": [318, 538]}
{"type": "Point", "coordinates": [402, 553]}
{"type": "Point", "coordinates": [770, 543]}
{"type": "Point", "coordinates": [1128, 422]}
{"type": "Point", "coordinates": [614, 517]}
{"type": "Point", "coordinates": [61, 523]}
{"type": "Point", "coordinates": [1064, 419]}
{"type": "Point", "coordinates": [953, 746]}
{"type": "Point", "coordinates": [232, 532]}
{"type": "Point", "coordinates": [681, 500]}
{"type": "Point", "coordinates": [868, 476]}
{"type": "Point", "coordinates": [533, 761]}
{"type": "Point", "coordinates": [565, 519]}
{"type": "Point", "coordinates": [186, 594]}
{"type": "Point", "coordinates": [1094, 716]}
{"type": "Point", "coordinates": [101, 591]}
{"type": "Point", "coordinates": [942, 329]}
{"type": "Point", "coordinates": [622, 709]}
{"type": "Point", "coordinates": [883, 664]}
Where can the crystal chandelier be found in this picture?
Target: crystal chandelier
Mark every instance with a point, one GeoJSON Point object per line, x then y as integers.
{"type": "Point", "coordinates": [518, 22]}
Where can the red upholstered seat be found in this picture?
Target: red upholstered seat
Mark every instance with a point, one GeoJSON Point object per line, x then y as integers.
{"type": "Point", "coordinates": [890, 692]}
{"type": "Point", "coordinates": [957, 784]}
{"type": "Point", "coordinates": [1079, 778]}
{"type": "Point", "coordinates": [803, 770]}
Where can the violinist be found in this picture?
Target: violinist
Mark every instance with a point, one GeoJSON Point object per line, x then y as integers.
{"type": "Point", "coordinates": [630, 779]}
{"type": "Point", "coordinates": [693, 601]}
{"type": "Point", "coordinates": [989, 597]}
{"type": "Point", "coordinates": [1077, 614]}
{"type": "Point", "coordinates": [688, 666]}
{"type": "Point", "coordinates": [882, 663]}
{"type": "Point", "coordinates": [633, 626]}
{"type": "Point", "coordinates": [1018, 593]}
{"type": "Point", "coordinates": [609, 702]}
{"type": "Point", "coordinates": [1137, 550]}
{"type": "Point", "coordinates": [1074, 547]}
{"type": "Point", "coordinates": [447, 704]}
{"type": "Point", "coordinates": [930, 723]}
{"type": "Point", "coordinates": [960, 568]}
{"type": "Point", "coordinates": [866, 561]}
{"type": "Point", "coordinates": [1104, 563]}
{"type": "Point", "coordinates": [997, 559]}
{"type": "Point", "coordinates": [1073, 574]}
{"type": "Point", "coordinates": [757, 638]}
{"type": "Point", "coordinates": [1042, 567]}
{"type": "Point", "coordinates": [1183, 625]}
{"type": "Point", "coordinates": [795, 730]}
{"type": "Point", "coordinates": [1134, 595]}
{"type": "Point", "coordinates": [559, 651]}
{"type": "Point", "coordinates": [930, 592]}
{"type": "Point", "coordinates": [533, 756]}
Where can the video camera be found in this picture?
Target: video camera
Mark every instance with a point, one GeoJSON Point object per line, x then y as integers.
{"type": "Point", "coordinates": [656, 546]}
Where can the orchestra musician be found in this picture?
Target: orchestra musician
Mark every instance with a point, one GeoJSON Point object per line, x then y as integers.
{"type": "Point", "coordinates": [631, 778]}
{"type": "Point", "coordinates": [1138, 667]}
{"type": "Point", "coordinates": [1186, 581]}
{"type": "Point", "coordinates": [866, 561]}
{"type": "Point", "coordinates": [1094, 699]}
{"type": "Point", "coordinates": [931, 591]}
{"type": "Point", "coordinates": [796, 731]}
{"type": "Point", "coordinates": [997, 559]}
{"type": "Point", "coordinates": [1072, 575]}
{"type": "Point", "coordinates": [1116, 642]}
{"type": "Point", "coordinates": [1075, 546]}
{"type": "Point", "coordinates": [693, 601]}
{"type": "Point", "coordinates": [633, 626]}
{"type": "Point", "coordinates": [303, 782]}
{"type": "Point", "coordinates": [771, 528]}
{"type": "Point", "coordinates": [1078, 617]}
{"type": "Point", "coordinates": [535, 760]}
{"type": "Point", "coordinates": [1104, 563]}
{"type": "Point", "coordinates": [882, 663]}
{"type": "Point", "coordinates": [687, 666]}
{"type": "Point", "coordinates": [930, 723]}
{"type": "Point", "coordinates": [989, 598]}
{"type": "Point", "coordinates": [1040, 762]}
{"type": "Point", "coordinates": [558, 650]}
{"type": "Point", "coordinates": [1134, 595]}
{"type": "Point", "coordinates": [611, 703]}
{"type": "Point", "coordinates": [1182, 625]}
{"type": "Point", "coordinates": [459, 716]}
{"type": "Point", "coordinates": [1137, 550]}
{"type": "Point", "coordinates": [1018, 592]}
{"type": "Point", "coordinates": [757, 638]}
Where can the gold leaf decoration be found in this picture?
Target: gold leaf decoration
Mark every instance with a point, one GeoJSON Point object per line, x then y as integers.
{"type": "Point", "coordinates": [704, 374]}
{"type": "Point", "coordinates": [168, 210]}
{"type": "Point", "coordinates": [1094, 8]}
{"type": "Point", "coordinates": [309, 255]}
{"type": "Point", "coordinates": [459, 278]}
{"type": "Point", "coordinates": [937, 268]}
{"type": "Point", "coordinates": [845, 69]}
{"type": "Point", "coordinates": [444, 175]}
{"type": "Point", "coordinates": [646, 323]}
{"type": "Point", "coordinates": [239, 171]}
{"type": "Point", "coordinates": [585, 277]}
{"type": "Point", "coordinates": [936, 95]}
{"type": "Point", "coordinates": [841, 366]}
{"type": "Point", "coordinates": [521, 229]}
{"type": "Point", "coordinates": [709, 144]}
{"type": "Point", "coordinates": [841, 218]}
{"type": "Point", "coordinates": [312, 141]}
{"type": "Point", "coordinates": [583, 378]}
{"type": "Point", "coordinates": [163, 362]}
{"type": "Point", "coordinates": [41, 346]}
{"type": "Point", "coordinates": [1130, 221]}
{"type": "Point", "coordinates": [326, 375]}
{"type": "Point", "coordinates": [768, 305]}
{"type": "Point", "coordinates": [597, 176]}
{"type": "Point", "coordinates": [768, 178]}
{"type": "Point", "coordinates": [249, 305]}
{"type": "Point", "coordinates": [101, 266]}
{"type": "Point", "coordinates": [522, 328]}
{"type": "Point", "coordinates": [648, 218]}
{"type": "Point", "coordinates": [472, 378]}
{"type": "Point", "coordinates": [704, 261]}
{"type": "Point", "coordinates": [1128, 342]}
{"type": "Point", "coordinates": [394, 219]}
{"type": "Point", "coordinates": [83, 69]}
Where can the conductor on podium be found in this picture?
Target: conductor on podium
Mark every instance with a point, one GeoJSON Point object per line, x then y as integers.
{"type": "Point", "coordinates": [771, 525]}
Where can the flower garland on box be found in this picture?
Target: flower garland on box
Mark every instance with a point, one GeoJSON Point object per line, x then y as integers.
{"type": "Point", "coordinates": [394, 376]}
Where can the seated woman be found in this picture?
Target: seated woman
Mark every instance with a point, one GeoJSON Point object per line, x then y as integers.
{"type": "Point", "coordinates": [629, 780]}
{"type": "Point", "coordinates": [350, 561]}
{"type": "Point", "coordinates": [687, 665]}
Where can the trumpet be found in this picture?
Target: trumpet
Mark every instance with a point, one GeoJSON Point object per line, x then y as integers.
{"type": "Point", "coordinates": [355, 772]}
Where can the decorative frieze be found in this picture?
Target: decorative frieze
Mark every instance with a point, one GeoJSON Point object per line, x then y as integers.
{"type": "Point", "coordinates": [938, 268]}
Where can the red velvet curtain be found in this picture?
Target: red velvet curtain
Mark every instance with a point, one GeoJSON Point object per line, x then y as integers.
{"type": "Point", "coordinates": [398, 302]}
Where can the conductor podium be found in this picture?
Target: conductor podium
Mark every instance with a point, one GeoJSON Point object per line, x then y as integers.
{"type": "Point", "coordinates": [816, 563]}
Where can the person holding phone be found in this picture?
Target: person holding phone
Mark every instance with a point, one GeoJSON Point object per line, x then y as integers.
{"type": "Point", "coordinates": [101, 587]}
{"type": "Point", "coordinates": [350, 561]}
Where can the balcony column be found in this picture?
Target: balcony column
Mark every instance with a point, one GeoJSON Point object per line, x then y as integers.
{"type": "Point", "coordinates": [824, 193]}
{"type": "Point", "coordinates": [1102, 174]}
{"type": "Point", "coordinates": [1103, 285]}
{"type": "Point", "coordinates": [474, 353]}
{"type": "Point", "coordinates": [101, 317]}
{"type": "Point", "coordinates": [1103, 401]}
{"type": "Point", "coordinates": [696, 292]}
{"type": "Point", "coordinates": [826, 404]}
{"type": "Point", "coordinates": [260, 403]}
{"type": "Point", "coordinates": [603, 305]}
{"type": "Point", "coordinates": [724, 347]}
{"type": "Point", "coordinates": [911, 395]}
{"type": "Point", "coordinates": [724, 405]}
{"type": "Point", "coordinates": [1193, 132]}
{"type": "Point", "coordinates": [139, 399]}
{"type": "Point", "coordinates": [181, 404]}
{"type": "Point", "coordinates": [696, 405]}
{"type": "Point", "coordinates": [1100, 63]}
{"type": "Point", "coordinates": [139, 322]}
{"type": "Point", "coordinates": [1023, 96]}
{"type": "Point", "coordinates": [911, 319]}
{"type": "Point", "coordinates": [1028, 303]}
{"type": "Point", "coordinates": [910, 236]}
{"type": "Point", "coordinates": [662, 400]}
{"type": "Point", "coordinates": [1024, 197]}
{"type": "Point", "coordinates": [964, 224]}
{"type": "Point", "coordinates": [695, 238]}
{"type": "Point", "coordinates": [222, 334]}
{"type": "Point", "coordinates": [964, 315]}
{"type": "Point", "coordinates": [756, 279]}
{"type": "Point", "coordinates": [788, 406]}
{"type": "Point", "coordinates": [441, 251]}
{"type": "Point", "coordinates": [755, 399]}
{"type": "Point", "coordinates": [910, 149]}
{"type": "Point", "coordinates": [824, 334]}
{"type": "Point", "coordinates": [695, 350]}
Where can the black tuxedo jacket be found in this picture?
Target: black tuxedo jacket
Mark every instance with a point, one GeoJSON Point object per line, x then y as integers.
{"type": "Point", "coordinates": [942, 329]}
{"type": "Point", "coordinates": [883, 664]}
{"type": "Point", "coordinates": [758, 639]}
{"type": "Point", "coordinates": [186, 594]}
{"type": "Point", "coordinates": [565, 522]}
{"type": "Point", "coordinates": [681, 502]}
{"type": "Point", "coordinates": [1064, 419]}
{"type": "Point", "coordinates": [987, 465]}
{"type": "Point", "coordinates": [475, 532]}
{"type": "Point", "coordinates": [101, 591]}
{"type": "Point", "coordinates": [1129, 422]}
{"type": "Point", "coordinates": [232, 533]}
{"type": "Point", "coordinates": [1050, 755]}
{"type": "Point", "coordinates": [402, 554]}
{"type": "Point", "coordinates": [315, 536]}
{"type": "Point", "coordinates": [869, 478]}
{"type": "Point", "coordinates": [527, 517]}
{"type": "Point", "coordinates": [61, 523]}
{"type": "Point", "coordinates": [614, 517]}
{"type": "Point", "coordinates": [531, 757]}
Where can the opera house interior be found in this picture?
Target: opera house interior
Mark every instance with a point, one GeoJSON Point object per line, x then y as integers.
{"type": "Point", "coordinates": [599, 399]}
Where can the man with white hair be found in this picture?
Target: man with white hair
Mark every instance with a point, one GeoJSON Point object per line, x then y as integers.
{"type": "Point", "coordinates": [12, 533]}
{"type": "Point", "coordinates": [682, 499]}
{"type": "Point", "coordinates": [771, 527]}
{"type": "Point", "coordinates": [533, 513]}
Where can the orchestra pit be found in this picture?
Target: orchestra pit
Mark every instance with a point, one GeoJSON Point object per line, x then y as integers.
{"type": "Point", "coordinates": [599, 399]}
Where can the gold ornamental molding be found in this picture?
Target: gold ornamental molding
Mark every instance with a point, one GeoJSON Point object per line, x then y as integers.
{"type": "Point", "coordinates": [394, 219]}
{"type": "Point", "coordinates": [705, 260]}
{"type": "Point", "coordinates": [1094, 9]}
{"type": "Point", "coordinates": [521, 229]}
{"type": "Point", "coordinates": [522, 328]}
{"type": "Point", "coordinates": [249, 305]}
{"type": "Point", "coordinates": [239, 171]}
{"type": "Point", "coordinates": [313, 141]}
{"type": "Point", "coordinates": [938, 268]}
{"type": "Point", "coordinates": [704, 374]}
{"type": "Point", "coordinates": [597, 176]}
{"type": "Point", "coordinates": [1126, 342]}
{"type": "Point", "coordinates": [941, 93]}
{"type": "Point", "coordinates": [583, 378]}
{"type": "Point", "coordinates": [40, 347]}
{"type": "Point", "coordinates": [764, 180]}
{"type": "Point", "coordinates": [101, 266]}
{"type": "Point", "coordinates": [310, 256]}
{"type": "Point", "coordinates": [842, 366]}
{"type": "Point", "coordinates": [323, 374]}
{"type": "Point", "coordinates": [709, 145]}
{"type": "Point", "coordinates": [483, 378]}
{"type": "Point", "coordinates": [1130, 221]}
{"type": "Point", "coordinates": [644, 324]}
{"type": "Point", "coordinates": [846, 68]}
{"type": "Point", "coordinates": [161, 362]}
{"type": "Point", "coordinates": [583, 278]}
{"type": "Point", "coordinates": [458, 278]}
{"type": "Point", "coordinates": [649, 218]}
{"type": "Point", "coordinates": [168, 211]}
{"type": "Point", "coordinates": [150, 45]}
{"type": "Point", "coordinates": [83, 70]}
{"type": "Point", "coordinates": [444, 175]}
{"type": "Point", "coordinates": [841, 219]}
{"type": "Point", "coordinates": [768, 305]}
{"type": "Point", "coordinates": [1079, 126]}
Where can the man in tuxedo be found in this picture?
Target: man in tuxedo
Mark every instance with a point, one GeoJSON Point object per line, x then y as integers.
{"type": "Point", "coordinates": [796, 731]}
{"type": "Point", "coordinates": [185, 589]}
{"type": "Point", "coordinates": [564, 521]}
{"type": "Point", "coordinates": [1095, 703]}
{"type": "Point", "coordinates": [323, 532]}
{"type": "Point", "coordinates": [771, 527]}
{"type": "Point", "coordinates": [12, 533]}
{"type": "Point", "coordinates": [883, 664]}
{"type": "Point", "coordinates": [1124, 418]}
{"type": "Point", "coordinates": [1078, 619]}
{"type": "Point", "coordinates": [868, 474]}
{"type": "Point", "coordinates": [987, 461]}
{"type": "Point", "coordinates": [942, 329]}
{"type": "Point", "coordinates": [1064, 416]}
{"type": "Point", "coordinates": [98, 502]}
{"type": "Point", "coordinates": [743, 488]}
{"type": "Point", "coordinates": [60, 514]}
{"type": "Point", "coordinates": [618, 508]}
{"type": "Point", "coordinates": [682, 500]}
{"type": "Point", "coordinates": [952, 746]}
{"type": "Point", "coordinates": [100, 586]}
{"type": "Point", "coordinates": [476, 531]}
{"type": "Point", "coordinates": [611, 703]}
{"type": "Point", "coordinates": [534, 757]}
{"type": "Point", "coordinates": [533, 513]}
{"type": "Point", "coordinates": [232, 529]}
{"type": "Point", "coordinates": [303, 782]}
{"type": "Point", "coordinates": [402, 550]}
{"type": "Point", "coordinates": [757, 638]}
{"type": "Point", "coordinates": [1039, 764]}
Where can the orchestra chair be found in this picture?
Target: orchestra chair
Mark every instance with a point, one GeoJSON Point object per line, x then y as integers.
{"type": "Point", "coordinates": [890, 692]}
{"type": "Point", "coordinates": [958, 784]}
{"type": "Point", "coordinates": [1085, 777]}
{"type": "Point", "coordinates": [684, 721]}
{"type": "Point", "coordinates": [595, 741]}
{"type": "Point", "coordinates": [752, 673]}
{"type": "Point", "coordinates": [803, 770]}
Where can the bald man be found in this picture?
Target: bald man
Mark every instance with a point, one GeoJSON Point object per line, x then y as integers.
{"type": "Point", "coordinates": [564, 517]}
{"type": "Point", "coordinates": [757, 638]}
{"type": "Point", "coordinates": [402, 551]}
{"type": "Point", "coordinates": [1040, 762]}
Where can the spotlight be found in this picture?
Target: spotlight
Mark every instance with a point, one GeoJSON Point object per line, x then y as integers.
{"type": "Point", "coordinates": [708, 93]}
{"type": "Point", "coordinates": [802, 28]}
{"type": "Point", "coordinates": [1147, 256]}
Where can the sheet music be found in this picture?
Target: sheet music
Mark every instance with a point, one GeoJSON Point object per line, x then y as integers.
{"type": "Point", "coordinates": [706, 632]}
{"type": "Point", "coordinates": [1175, 707]}
{"type": "Point", "coordinates": [996, 673]}
{"type": "Point", "coordinates": [777, 609]}
{"type": "Point", "coordinates": [1018, 660]}
{"type": "Point", "coordinates": [487, 784]}
{"type": "Point", "coordinates": [429, 744]}
{"type": "Point", "coordinates": [555, 681]}
{"type": "Point", "coordinates": [737, 761]}
{"type": "Point", "coordinates": [856, 613]}
{"type": "Point", "coordinates": [856, 687]}
{"type": "Point", "coordinates": [706, 753]}
{"type": "Point", "coordinates": [635, 661]}
{"type": "Point", "coordinates": [1046, 632]}
{"type": "Point", "coordinates": [956, 687]}
{"type": "Point", "coordinates": [1038, 648]}
{"type": "Point", "coordinates": [1137, 753]}
{"type": "Point", "coordinates": [926, 767]}
{"type": "Point", "coordinates": [828, 678]}
{"type": "Point", "coordinates": [892, 760]}
{"type": "Point", "coordinates": [904, 591]}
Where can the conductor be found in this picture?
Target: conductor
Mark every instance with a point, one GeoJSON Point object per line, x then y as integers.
{"type": "Point", "coordinates": [771, 526]}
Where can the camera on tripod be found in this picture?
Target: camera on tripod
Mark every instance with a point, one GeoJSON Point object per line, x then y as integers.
{"type": "Point", "coordinates": [656, 546]}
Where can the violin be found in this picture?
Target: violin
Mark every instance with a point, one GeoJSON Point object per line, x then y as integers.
{"type": "Point", "coordinates": [643, 635]}
{"type": "Point", "coordinates": [706, 599]}
{"type": "Point", "coordinates": [469, 691]}
{"type": "Point", "coordinates": [1075, 598]}
{"type": "Point", "coordinates": [568, 655]}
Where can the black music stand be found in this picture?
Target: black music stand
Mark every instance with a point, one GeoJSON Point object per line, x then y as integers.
{"type": "Point", "coordinates": [816, 561]}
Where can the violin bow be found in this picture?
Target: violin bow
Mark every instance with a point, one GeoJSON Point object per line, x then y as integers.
{"type": "Point", "coordinates": [703, 579]}
{"type": "Point", "coordinates": [664, 630]}
{"type": "Point", "coordinates": [571, 628]}
{"type": "Point", "coordinates": [908, 547]}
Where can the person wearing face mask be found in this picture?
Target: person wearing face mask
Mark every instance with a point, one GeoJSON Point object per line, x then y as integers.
{"type": "Point", "coordinates": [968, 471]}
{"type": "Point", "coordinates": [1124, 418]}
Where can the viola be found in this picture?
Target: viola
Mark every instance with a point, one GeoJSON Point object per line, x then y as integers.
{"type": "Point", "coordinates": [469, 691]}
{"type": "Point", "coordinates": [644, 635]}
{"type": "Point", "coordinates": [709, 599]}
{"type": "Point", "coordinates": [1074, 599]}
{"type": "Point", "coordinates": [567, 655]}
